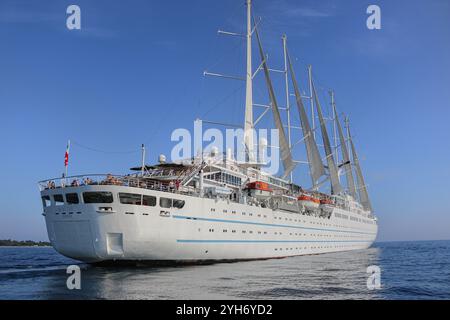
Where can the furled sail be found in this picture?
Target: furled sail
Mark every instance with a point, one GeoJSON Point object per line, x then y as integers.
{"type": "Point", "coordinates": [346, 158]}
{"type": "Point", "coordinates": [335, 185]}
{"type": "Point", "coordinates": [286, 156]}
{"type": "Point", "coordinates": [315, 162]}
{"type": "Point", "coordinates": [362, 189]}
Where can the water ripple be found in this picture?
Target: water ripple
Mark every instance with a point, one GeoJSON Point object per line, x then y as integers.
{"type": "Point", "coordinates": [409, 270]}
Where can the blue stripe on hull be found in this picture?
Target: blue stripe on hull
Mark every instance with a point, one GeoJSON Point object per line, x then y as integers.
{"type": "Point", "coordinates": [266, 241]}
{"type": "Point", "coordinates": [266, 224]}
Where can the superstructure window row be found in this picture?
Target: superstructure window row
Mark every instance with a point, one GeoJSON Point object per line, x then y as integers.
{"type": "Point", "coordinates": [137, 199]}
{"type": "Point", "coordinates": [104, 197]}
{"type": "Point", "coordinates": [225, 178]}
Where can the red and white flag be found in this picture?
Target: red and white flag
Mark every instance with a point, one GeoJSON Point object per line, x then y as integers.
{"type": "Point", "coordinates": [66, 156]}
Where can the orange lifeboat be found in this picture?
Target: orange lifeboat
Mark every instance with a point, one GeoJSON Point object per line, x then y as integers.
{"type": "Point", "coordinates": [308, 201]}
{"type": "Point", "coordinates": [259, 189]}
{"type": "Point", "coordinates": [259, 185]}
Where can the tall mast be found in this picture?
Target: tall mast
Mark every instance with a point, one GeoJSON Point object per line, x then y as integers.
{"type": "Point", "coordinates": [362, 188]}
{"type": "Point", "coordinates": [347, 128]}
{"type": "Point", "coordinates": [288, 107]}
{"type": "Point", "coordinates": [316, 167]}
{"type": "Point", "coordinates": [349, 171]}
{"type": "Point", "coordinates": [248, 127]}
{"type": "Point", "coordinates": [346, 163]}
{"type": "Point", "coordinates": [336, 187]}
{"type": "Point", "coordinates": [333, 108]}
{"type": "Point", "coordinates": [286, 156]}
{"type": "Point", "coordinates": [311, 100]}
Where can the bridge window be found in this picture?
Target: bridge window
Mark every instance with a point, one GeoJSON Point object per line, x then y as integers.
{"type": "Point", "coordinates": [59, 199]}
{"type": "Point", "coordinates": [72, 198]}
{"type": "Point", "coordinates": [98, 197]}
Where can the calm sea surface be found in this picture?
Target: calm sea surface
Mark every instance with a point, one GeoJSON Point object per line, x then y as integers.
{"type": "Point", "coordinates": [409, 270]}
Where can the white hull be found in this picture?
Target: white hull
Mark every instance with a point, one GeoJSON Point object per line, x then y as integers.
{"type": "Point", "coordinates": [203, 230]}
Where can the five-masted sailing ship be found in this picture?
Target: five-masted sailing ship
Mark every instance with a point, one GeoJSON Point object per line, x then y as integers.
{"type": "Point", "coordinates": [214, 208]}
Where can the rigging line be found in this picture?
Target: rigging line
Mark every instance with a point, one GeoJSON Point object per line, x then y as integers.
{"type": "Point", "coordinates": [272, 23]}
{"type": "Point", "coordinates": [319, 84]}
{"type": "Point", "coordinates": [236, 46]}
{"type": "Point", "coordinates": [323, 92]}
{"type": "Point", "coordinates": [163, 119]}
{"type": "Point", "coordinates": [103, 151]}
{"type": "Point", "coordinates": [224, 57]}
{"type": "Point", "coordinates": [274, 26]}
{"type": "Point", "coordinates": [223, 100]}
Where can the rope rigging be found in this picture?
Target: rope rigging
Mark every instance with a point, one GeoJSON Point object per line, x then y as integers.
{"type": "Point", "coordinates": [104, 151]}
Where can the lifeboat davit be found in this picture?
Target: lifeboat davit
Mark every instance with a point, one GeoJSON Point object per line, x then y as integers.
{"type": "Point", "coordinates": [308, 201]}
{"type": "Point", "coordinates": [259, 189]}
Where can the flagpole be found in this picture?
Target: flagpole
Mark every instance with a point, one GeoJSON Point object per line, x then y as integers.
{"type": "Point", "coordinates": [67, 162]}
{"type": "Point", "coordinates": [143, 159]}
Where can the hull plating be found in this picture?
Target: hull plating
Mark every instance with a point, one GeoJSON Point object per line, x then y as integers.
{"type": "Point", "coordinates": [204, 230]}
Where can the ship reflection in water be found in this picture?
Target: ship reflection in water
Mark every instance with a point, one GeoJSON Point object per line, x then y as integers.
{"type": "Point", "coordinates": [409, 270]}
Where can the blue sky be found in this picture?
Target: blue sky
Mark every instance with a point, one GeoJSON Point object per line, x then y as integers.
{"type": "Point", "coordinates": [133, 73]}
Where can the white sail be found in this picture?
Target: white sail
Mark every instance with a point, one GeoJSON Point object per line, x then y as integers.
{"type": "Point", "coordinates": [316, 167]}
{"type": "Point", "coordinates": [286, 156]}
{"type": "Point", "coordinates": [346, 158]}
{"type": "Point", "coordinates": [362, 189]}
{"type": "Point", "coordinates": [336, 187]}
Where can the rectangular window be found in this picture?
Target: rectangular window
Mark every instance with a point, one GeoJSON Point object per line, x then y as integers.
{"type": "Point", "coordinates": [130, 198]}
{"type": "Point", "coordinates": [137, 199]}
{"type": "Point", "coordinates": [59, 199]}
{"type": "Point", "coordinates": [149, 201]}
{"type": "Point", "coordinates": [165, 203]}
{"type": "Point", "coordinates": [178, 203]}
{"type": "Point", "coordinates": [72, 198]}
{"type": "Point", "coordinates": [98, 197]}
{"type": "Point", "coordinates": [46, 201]}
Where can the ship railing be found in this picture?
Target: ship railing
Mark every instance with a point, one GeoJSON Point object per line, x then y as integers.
{"type": "Point", "coordinates": [134, 181]}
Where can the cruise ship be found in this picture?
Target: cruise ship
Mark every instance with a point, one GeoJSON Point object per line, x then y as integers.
{"type": "Point", "coordinates": [213, 207]}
